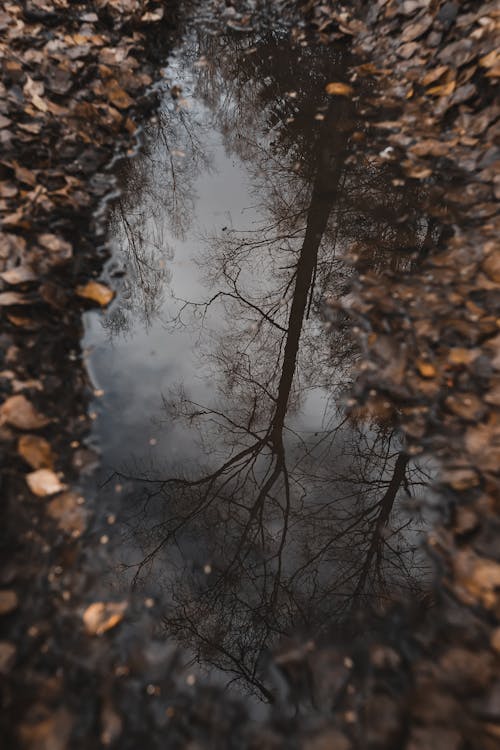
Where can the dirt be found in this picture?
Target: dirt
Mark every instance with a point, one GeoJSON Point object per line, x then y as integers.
{"type": "Point", "coordinates": [76, 79]}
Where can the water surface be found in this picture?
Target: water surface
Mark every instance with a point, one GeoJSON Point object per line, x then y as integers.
{"type": "Point", "coordinates": [243, 499]}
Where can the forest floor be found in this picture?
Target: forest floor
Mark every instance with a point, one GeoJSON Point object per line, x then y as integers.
{"type": "Point", "coordinates": [77, 81]}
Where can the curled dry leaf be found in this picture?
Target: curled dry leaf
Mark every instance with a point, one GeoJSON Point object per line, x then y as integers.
{"type": "Point", "coordinates": [36, 451]}
{"type": "Point", "coordinates": [102, 616]}
{"type": "Point", "coordinates": [339, 89]}
{"type": "Point", "coordinates": [96, 292]}
{"type": "Point", "coordinates": [8, 602]}
{"type": "Point", "coordinates": [44, 482]}
{"type": "Point", "coordinates": [19, 412]}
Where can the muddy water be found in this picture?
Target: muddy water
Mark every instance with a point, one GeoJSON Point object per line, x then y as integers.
{"type": "Point", "coordinates": [238, 499]}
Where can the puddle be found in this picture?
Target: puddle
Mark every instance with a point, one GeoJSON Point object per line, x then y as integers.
{"type": "Point", "coordinates": [236, 494]}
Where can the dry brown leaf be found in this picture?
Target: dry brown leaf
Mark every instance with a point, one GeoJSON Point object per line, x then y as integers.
{"type": "Point", "coordinates": [328, 739]}
{"type": "Point", "coordinates": [491, 60]}
{"type": "Point", "coordinates": [8, 602]}
{"type": "Point", "coordinates": [96, 292]}
{"type": "Point", "coordinates": [44, 482]}
{"type": "Point", "coordinates": [18, 275]}
{"type": "Point", "coordinates": [9, 299]}
{"type": "Point", "coordinates": [339, 89]}
{"type": "Point", "coordinates": [434, 75]}
{"type": "Point", "coordinates": [7, 656]}
{"type": "Point", "coordinates": [491, 267]}
{"type": "Point", "coordinates": [466, 405]}
{"type": "Point", "coordinates": [444, 90]}
{"type": "Point", "coordinates": [426, 369]}
{"type": "Point", "coordinates": [102, 616]}
{"type": "Point", "coordinates": [19, 412]}
{"type": "Point", "coordinates": [460, 478]}
{"type": "Point", "coordinates": [118, 96]}
{"type": "Point", "coordinates": [417, 171]}
{"type": "Point", "coordinates": [414, 30]}
{"type": "Point", "coordinates": [432, 147]}
{"type": "Point", "coordinates": [152, 16]}
{"type": "Point", "coordinates": [33, 88]}
{"type": "Point", "coordinates": [59, 249]}
{"type": "Point", "coordinates": [478, 577]}
{"type": "Point", "coordinates": [47, 729]}
{"type": "Point", "coordinates": [36, 451]}
{"type": "Point", "coordinates": [460, 356]}
{"type": "Point", "coordinates": [69, 513]}
{"type": "Point", "coordinates": [495, 640]}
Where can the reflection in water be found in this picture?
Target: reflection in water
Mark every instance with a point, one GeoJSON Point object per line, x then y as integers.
{"type": "Point", "coordinates": [260, 510]}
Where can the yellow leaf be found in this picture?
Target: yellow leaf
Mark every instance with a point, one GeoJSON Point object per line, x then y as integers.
{"type": "Point", "coordinates": [426, 369]}
{"type": "Point", "coordinates": [96, 292]}
{"type": "Point", "coordinates": [36, 451]}
{"type": "Point", "coordinates": [102, 616]}
{"type": "Point", "coordinates": [339, 89]}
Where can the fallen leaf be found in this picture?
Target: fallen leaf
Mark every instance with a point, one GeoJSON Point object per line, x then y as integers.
{"type": "Point", "coordinates": [414, 30]}
{"type": "Point", "coordinates": [9, 299]}
{"type": "Point", "coordinates": [47, 729]}
{"type": "Point", "coordinates": [7, 656]}
{"type": "Point", "coordinates": [466, 405]}
{"type": "Point", "coordinates": [491, 267]}
{"type": "Point", "coordinates": [19, 412]}
{"type": "Point", "coordinates": [477, 577]}
{"type": "Point", "coordinates": [102, 616]}
{"type": "Point", "coordinates": [36, 451]}
{"type": "Point", "coordinates": [328, 739]}
{"type": "Point", "coordinates": [67, 510]}
{"type": "Point", "coordinates": [44, 482]}
{"type": "Point", "coordinates": [444, 90]}
{"type": "Point", "coordinates": [460, 479]}
{"type": "Point", "coordinates": [490, 60]}
{"type": "Point", "coordinates": [495, 640]}
{"type": "Point", "coordinates": [59, 249]}
{"type": "Point", "coordinates": [339, 89]}
{"type": "Point", "coordinates": [8, 602]}
{"type": "Point", "coordinates": [118, 96]}
{"type": "Point", "coordinates": [434, 75]}
{"type": "Point", "coordinates": [18, 275]}
{"type": "Point", "coordinates": [426, 369]}
{"type": "Point", "coordinates": [96, 292]}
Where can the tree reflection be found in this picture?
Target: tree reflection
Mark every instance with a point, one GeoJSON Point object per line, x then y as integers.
{"type": "Point", "coordinates": [291, 519]}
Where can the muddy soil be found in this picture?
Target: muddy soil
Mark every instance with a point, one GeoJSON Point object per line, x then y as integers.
{"type": "Point", "coordinates": [402, 107]}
